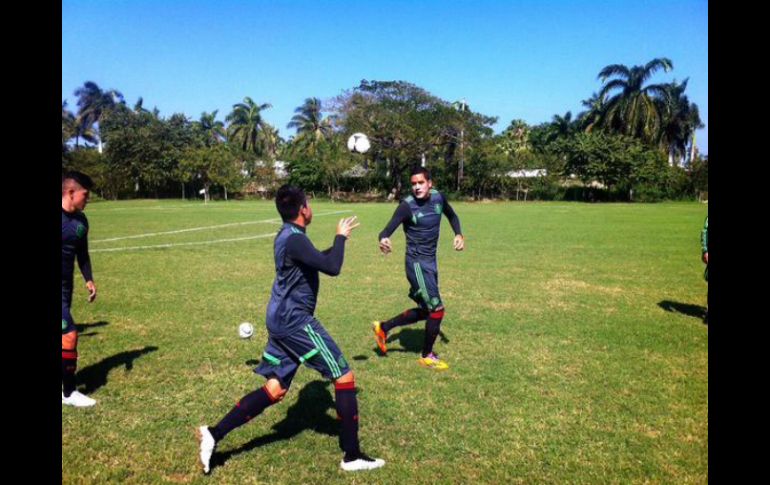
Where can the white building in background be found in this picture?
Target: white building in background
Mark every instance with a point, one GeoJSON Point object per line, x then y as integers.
{"type": "Point", "coordinates": [525, 174]}
{"type": "Point", "coordinates": [279, 167]}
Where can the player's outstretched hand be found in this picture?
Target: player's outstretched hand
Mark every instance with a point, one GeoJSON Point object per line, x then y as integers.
{"type": "Point", "coordinates": [385, 245]}
{"type": "Point", "coordinates": [91, 291]}
{"type": "Point", "coordinates": [346, 225]}
{"type": "Point", "coordinates": [459, 242]}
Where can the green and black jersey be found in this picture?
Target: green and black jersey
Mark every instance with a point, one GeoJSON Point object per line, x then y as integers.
{"type": "Point", "coordinates": [421, 219]}
{"type": "Point", "coordinates": [704, 242]}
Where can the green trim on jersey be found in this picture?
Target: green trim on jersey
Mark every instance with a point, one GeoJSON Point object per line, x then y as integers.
{"type": "Point", "coordinates": [294, 230]}
{"type": "Point", "coordinates": [63, 324]}
{"type": "Point", "coordinates": [416, 217]}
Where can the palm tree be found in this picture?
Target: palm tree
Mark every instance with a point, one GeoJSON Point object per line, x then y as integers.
{"type": "Point", "coordinates": [72, 129]}
{"type": "Point", "coordinates": [680, 120]}
{"type": "Point", "coordinates": [93, 103]}
{"type": "Point", "coordinates": [464, 110]}
{"type": "Point", "coordinates": [560, 126]}
{"type": "Point", "coordinates": [246, 123]}
{"type": "Point", "coordinates": [213, 131]}
{"type": "Point", "coordinates": [697, 124]}
{"type": "Point", "coordinates": [310, 124]}
{"type": "Point", "coordinates": [68, 128]}
{"type": "Point", "coordinates": [632, 109]}
{"type": "Point", "coordinates": [138, 108]}
{"type": "Point", "coordinates": [270, 140]}
{"type": "Point", "coordinates": [595, 106]}
{"type": "Point", "coordinates": [516, 138]}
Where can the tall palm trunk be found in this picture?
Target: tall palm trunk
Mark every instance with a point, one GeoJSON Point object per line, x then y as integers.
{"type": "Point", "coordinates": [692, 148]}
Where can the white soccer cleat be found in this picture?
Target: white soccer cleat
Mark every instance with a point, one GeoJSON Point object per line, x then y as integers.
{"type": "Point", "coordinates": [207, 444]}
{"type": "Point", "coordinates": [361, 462]}
{"type": "Point", "coordinates": [78, 400]}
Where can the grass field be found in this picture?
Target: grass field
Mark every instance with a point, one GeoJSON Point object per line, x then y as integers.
{"type": "Point", "coordinates": [573, 332]}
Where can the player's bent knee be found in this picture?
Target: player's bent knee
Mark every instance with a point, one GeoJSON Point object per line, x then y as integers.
{"type": "Point", "coordinates": [348, 378]}
{"type": "Point", "coordinates": [69, 340]}
{"type": "Point", "coordinates": [274, 390]}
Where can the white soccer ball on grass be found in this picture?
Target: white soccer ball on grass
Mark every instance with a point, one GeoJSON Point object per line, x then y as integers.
{"type": "Point", "coordinates": [245, 330]}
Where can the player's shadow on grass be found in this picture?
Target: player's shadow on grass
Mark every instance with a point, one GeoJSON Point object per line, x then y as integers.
{"type": "Point", "coordinates": [684, 308]}
{"type": "Point", "coordinates": [95, 376]}
{"type": "Point", "coordinates": [308, 413]}
{"type": "Point", "coordinates": [84, 326]}
{"type": "Point", "coordinates": [411, 339]}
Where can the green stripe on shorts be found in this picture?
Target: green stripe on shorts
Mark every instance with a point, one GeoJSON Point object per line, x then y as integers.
{"type": "Point", "coordinates": [273, 360]}
{"type": "Point", "coordinates": [308, 355]}
{"type": "Point", "coordinates": [325, 353]}
{"type": "Point", "coordinates": [421, 282]}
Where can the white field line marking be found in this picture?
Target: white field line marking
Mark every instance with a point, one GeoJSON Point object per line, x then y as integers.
{"type": "Point", "coordinates": [170, 245]}
{"type": "Point", "coordinates": [150, 234]}
{"type": "Point", "coordinates": [174, 207]}
{"type": "Point", "coordinates": [215, 241]}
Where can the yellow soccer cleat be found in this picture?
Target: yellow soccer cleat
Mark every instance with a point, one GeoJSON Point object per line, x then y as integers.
{"type": "Point", "coordinates": [432, 361]}
{"type": "Point", "coordinates": [380, 336]}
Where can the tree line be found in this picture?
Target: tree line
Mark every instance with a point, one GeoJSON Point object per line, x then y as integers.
{"type": "Point", "coordinates": [632, 141]}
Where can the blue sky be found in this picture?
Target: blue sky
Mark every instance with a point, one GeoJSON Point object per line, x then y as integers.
{"type": "Point", "coordinates": [510, 59]}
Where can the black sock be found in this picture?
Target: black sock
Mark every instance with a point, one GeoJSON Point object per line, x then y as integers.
{"type": "Point", "coordinates": [407, 317]}
{"type": "Point", "coordinates": [347, 412]}
{"type": "Point", "coordinates": [69, 363]}
{"type": "Point", "coordinates": [432, 328]}
{"type": "Point", "coordinates": [247, 408]}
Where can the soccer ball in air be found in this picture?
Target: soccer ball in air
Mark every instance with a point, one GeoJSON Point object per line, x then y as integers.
{"type": "Point", "coordinates": [358, 143]}
{"type": "Point", "coordinates": [245, 330]}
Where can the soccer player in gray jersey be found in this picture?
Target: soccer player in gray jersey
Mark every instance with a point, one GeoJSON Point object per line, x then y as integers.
{"type": "Point", "coordinates": [295, 337]}
{"type": "Point", "coordinates": [420, 215]}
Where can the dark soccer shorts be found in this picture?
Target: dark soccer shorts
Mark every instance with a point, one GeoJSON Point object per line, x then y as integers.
{"type": "Point", "coordinates": [67, 323]}
{"type": "Point", "coordinates": [311, 345]}
{"type": "Point", "coordinates": [423, 279]}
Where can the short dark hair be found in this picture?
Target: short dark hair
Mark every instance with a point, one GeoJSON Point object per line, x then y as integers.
{"type": "Point", "coordinates": [289, 200]}
{"type": "Point", "coordinates": [78, 177]}
{"type": "Point", "coordinates": [420, 170]}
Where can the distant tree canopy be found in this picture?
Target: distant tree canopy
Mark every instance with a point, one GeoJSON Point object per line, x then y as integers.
{"type": "Point", "coordinates": [405, 124]}
{"type": "Point", "coordinates": [633, 141]}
